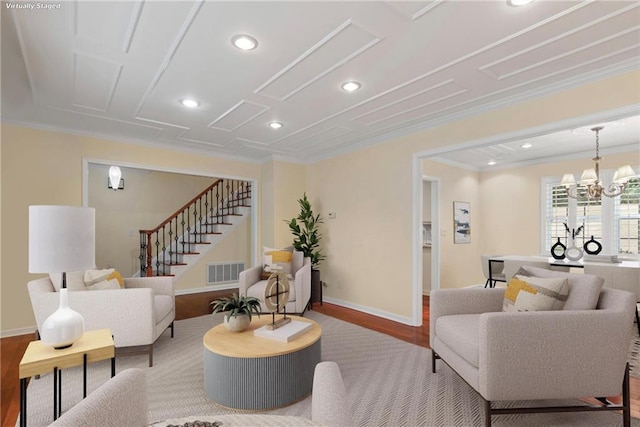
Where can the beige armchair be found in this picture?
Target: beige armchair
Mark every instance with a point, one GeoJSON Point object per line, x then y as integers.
{"type": "Point", "coordinates": [137, 314]}
{"type": "Point", "coordinates": [251, 284]}
{"type": "Point", "coordinates": [535, 355]}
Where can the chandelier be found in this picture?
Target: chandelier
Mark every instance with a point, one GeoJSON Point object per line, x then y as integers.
{"type": "Point", "coordinates": [590, 186]}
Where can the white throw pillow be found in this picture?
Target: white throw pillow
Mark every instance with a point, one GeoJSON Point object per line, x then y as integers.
{"type": "Point", "coordinates": [105, 284]}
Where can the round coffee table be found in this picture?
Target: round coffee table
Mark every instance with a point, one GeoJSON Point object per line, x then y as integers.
{"type": "Point", "coordinates": [243, 371]}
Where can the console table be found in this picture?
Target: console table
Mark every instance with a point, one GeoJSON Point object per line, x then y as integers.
{"type": "Point", "coordinates": [243, 371]}
{"type": "Point", "coordinates": [40, 358]}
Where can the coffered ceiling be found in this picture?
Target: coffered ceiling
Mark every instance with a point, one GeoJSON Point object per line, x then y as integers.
{"type": "Point", "coordinates": [121, 69]}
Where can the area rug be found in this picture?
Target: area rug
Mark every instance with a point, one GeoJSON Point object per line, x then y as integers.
{"type": "Point", "coordinates": [388, 381]}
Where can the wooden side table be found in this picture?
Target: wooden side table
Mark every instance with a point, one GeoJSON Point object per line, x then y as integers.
{"type": "Point", "coordinates": [40, 358]}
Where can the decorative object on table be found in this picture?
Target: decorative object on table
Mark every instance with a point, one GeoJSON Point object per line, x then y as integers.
{"type": "Point", "coordinates": [61, 239]}
{"type": "Point", "coordinates": [307, 240]}
{"type": "Point", "coordinates": [573, 252]}
{"type": "Point", "coordinates": [558, 250]}
{"type": "Point", "coordinates": [240, 310]}
{"type": "Point", "coordinates": [590, 185]}
{"type": "Point", "coordinates": [592, 246]}
{"type": "Point", "coordinates": [276, 296]}
{"type": "Point", "coordinates": [461, 222]}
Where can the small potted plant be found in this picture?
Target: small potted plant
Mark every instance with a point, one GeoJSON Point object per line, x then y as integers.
{"type": "Point", "coordinates": [239, 308]}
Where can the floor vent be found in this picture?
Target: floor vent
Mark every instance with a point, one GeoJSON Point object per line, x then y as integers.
{"type": "Point", "coordinates": [224, 272]}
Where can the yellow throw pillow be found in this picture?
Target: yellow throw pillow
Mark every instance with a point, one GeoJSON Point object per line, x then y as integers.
{"type": "Point", "coordinates": [535, 294]}
{"type": "Point", "coordinates": [116, 275]}
{"type": "Point", "coordinates": [95, 276]}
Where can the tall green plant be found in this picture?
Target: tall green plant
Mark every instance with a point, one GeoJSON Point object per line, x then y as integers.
{"type": "Point", "coordinates": [305, 229]}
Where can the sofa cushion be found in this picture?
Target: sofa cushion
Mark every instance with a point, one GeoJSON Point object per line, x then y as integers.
{"type": "Point", "coordinates": [528, 293]}
{"type": "Point", "coordinates": [584, 289]}
{"type": "Point", "coordinates": [257, 290]}
{"type": "Point", "coordinates": [75, 281]}
{"type": "Point", "coordinates": [460, 333]}
{"type": "Point", "coordinates": [162, 305]}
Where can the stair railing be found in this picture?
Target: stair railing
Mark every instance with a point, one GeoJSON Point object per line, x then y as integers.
{"type": "Point", "coordinates": [178, 234]}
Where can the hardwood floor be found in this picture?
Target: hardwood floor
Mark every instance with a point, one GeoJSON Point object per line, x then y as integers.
{"type": "Point", "coordinates": [193, 305]}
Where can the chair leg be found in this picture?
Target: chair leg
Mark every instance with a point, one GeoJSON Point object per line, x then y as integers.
{"type": "Point", "coordinates": [626, 398]}
{"type": "Point", "coordinates": [487, 283]}
{"type": "Point", "coordinates": [487, 412]}
{"type": "Point", "coordinates": [171, 326]}
{"type": "Point", "coordinates": [434, 356]}
{"type": "Point", "coordinates": [151, 356]}
{"type": "Point", "coordinates": [637, 319]}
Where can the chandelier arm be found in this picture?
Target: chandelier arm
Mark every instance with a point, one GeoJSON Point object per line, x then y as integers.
{"type": "Point", "coordinates": [614, 190]}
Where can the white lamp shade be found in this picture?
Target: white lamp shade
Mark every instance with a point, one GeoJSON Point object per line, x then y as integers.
{"type": "Point", "coordinates": [589, 176]}
{"type": "Point", "coordinates": [114, 176]}
{"type": "Point", "coordinates": [623, 174]}
{"type": "Point", "coordinates": [61, 238]}
{"type": "Point", "coordinates": [568, 180]}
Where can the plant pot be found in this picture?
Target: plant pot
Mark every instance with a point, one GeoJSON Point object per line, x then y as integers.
{"type": "Point", "coordinates": [316, 286]}
{"type": "Point", "coordinates": [237, 323]}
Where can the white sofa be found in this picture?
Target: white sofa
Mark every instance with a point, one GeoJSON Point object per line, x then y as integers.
{"type": "Point", "coordinates": [534, 355]}
{"type": "Point", "coordinates": [137, 314]}
{"type": "Point", "coordinates": [251, 284]}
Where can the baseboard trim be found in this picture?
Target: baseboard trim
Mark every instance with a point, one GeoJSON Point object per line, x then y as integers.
{"type": "Point", "coordinates": [369, 310]}
{"type": "Point", "coordinates": [17, 332]}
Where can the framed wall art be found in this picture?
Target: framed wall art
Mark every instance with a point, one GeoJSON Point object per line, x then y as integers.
{"type": "Point", "coordinates": [461, 222]}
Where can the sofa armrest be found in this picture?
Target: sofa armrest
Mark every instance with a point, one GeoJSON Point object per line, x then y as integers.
{"type": "Point", "coordinates": [302, 282]}
{"type": "Point", "coordinates": [445, 302]}
{"type": "Point", "coordinates": [162, 285]}
{"type": "Point", "coordinates": [247, 278]}
{"type": "Point", "coordinates": [545, 354]}
{"type": "Point", "coordinates": [121, 401]}
{"type": "Point", "coordinates": [329, 403]}
{"type": "Point", "coordinates": [129, 313]}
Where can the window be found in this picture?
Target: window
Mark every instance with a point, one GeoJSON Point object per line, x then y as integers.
{"type": "Point", "coordinates": [614, 222]}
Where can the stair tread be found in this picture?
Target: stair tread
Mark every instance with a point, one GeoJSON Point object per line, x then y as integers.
{"type": "Point", "coordinates": [174, 263]}
{"type": "Point", "coordinates": [207, 232]}
{"type": "Point", "coordinates": [195, 243]}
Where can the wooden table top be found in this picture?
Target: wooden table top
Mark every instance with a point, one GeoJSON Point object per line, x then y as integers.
{"type": "Point", "coordinates": [40, 358]}
{"type": "Point", "coordinates": [245, 345]}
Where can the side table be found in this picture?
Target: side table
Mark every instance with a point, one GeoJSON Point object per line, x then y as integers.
{"type": "Point", "coordinates": [40, 358]}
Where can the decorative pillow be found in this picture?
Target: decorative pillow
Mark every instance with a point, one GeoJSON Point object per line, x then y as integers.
{"type": "Point", "coordinates": [535, 294]}
{"type": "Point", "coordinates": [281, 257]}
{"type": "Point", "coordinates": [116, 275]}
{"type": "Point", "coordinates": [94, 276]}
{"type": "Point", "coordinates": [75, 281]}
{"type": "Point", "coordinates": [105, 284]}
{"type": "Point", "coordinates": [584, 289]}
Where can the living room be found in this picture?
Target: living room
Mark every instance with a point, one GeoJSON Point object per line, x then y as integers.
{"type": "Point", "coordinates": [372, 245]}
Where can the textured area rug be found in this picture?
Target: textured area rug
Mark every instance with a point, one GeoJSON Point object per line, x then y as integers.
{"type": "Point", "coordinates": [388, 381]}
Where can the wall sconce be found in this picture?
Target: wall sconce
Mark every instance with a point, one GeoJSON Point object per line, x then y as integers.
{"type": "Point", "coordinates": [115, 181]}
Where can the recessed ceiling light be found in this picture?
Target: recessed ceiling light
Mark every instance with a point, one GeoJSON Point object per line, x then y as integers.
{"type": "Point", "coordinates": [527, 145]}
{"type": "Point", "coordinates": [351, 86]}
{"type": "Point", "coordinates": [491, 162]}
{"type": "Point", "coordinates": [275, 125]}
{"type": "Point", "coordinates": [190, 103]}
{"type": "Point", "coordinates": [516, 3]}
{"type": "Point", "coordinates": [244, 42]}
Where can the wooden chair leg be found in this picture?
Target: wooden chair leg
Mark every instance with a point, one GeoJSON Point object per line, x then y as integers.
{"type": "Point", "coordinates": [434, 356]}
{"type": "Point", "coordinates": [626, 398]}
{"type": "Point", "coordinates": [487, 412]}
{"type": "Point", "coordinates": [637, 319]}
{"type": "Point", "coordinates": [151, 356]}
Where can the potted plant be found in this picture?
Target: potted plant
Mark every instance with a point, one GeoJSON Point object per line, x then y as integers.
{"type": "Point", "coordinates": [240, 309]}
{"type": "Point", "coordinates": [304, 227]}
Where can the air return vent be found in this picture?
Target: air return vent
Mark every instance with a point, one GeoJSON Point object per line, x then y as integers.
{"type": "Point", "coordinates": [224, 272]}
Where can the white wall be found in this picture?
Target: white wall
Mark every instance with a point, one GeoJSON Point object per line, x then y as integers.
{"type": "Point", "coordinates": [426, 251]}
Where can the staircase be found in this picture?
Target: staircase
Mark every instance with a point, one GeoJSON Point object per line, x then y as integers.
{"type": "Point", "coordinates": [181, 240]}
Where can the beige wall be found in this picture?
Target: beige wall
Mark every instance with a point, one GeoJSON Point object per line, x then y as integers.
{"type": "Point", "coordinates": [426, 252]}
{"type": "Point", "coordinates": [41, 167]}
{"type": "Point", "coordinates": [289, 187]}
{"type": "Point", "coordinates": [369, 244]}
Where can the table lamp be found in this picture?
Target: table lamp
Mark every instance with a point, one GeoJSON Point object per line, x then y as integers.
{"type": "Point", "coordinates": [61, 239]}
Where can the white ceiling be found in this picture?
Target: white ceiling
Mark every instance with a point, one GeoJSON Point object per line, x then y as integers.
{"type": "Point", "coordinates": [119, 69]}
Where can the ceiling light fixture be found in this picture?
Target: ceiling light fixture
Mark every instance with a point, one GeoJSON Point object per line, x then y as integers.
{"type": "Point", "coordinates": [526, 145]}
{"type": "Point", "coordinates": [244, 42]}
{"type": "Point", "coordinates": [189, 103]}
{"type": "Point", "coordinates": [590, 186]}
{"type": "Point", "coordinates": [516, 3]}
{"type": "Point", "coordinates": [275, 125]}
{"type": "Point", "coordinates": [492, 162]}
{"type": "Point", "coordinates": [351, 86]}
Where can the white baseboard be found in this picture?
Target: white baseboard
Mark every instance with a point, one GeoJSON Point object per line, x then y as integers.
{"type": "Point", "coordinates": [18, 331]}
{"type": "Point", "coordinates": [370, 310]}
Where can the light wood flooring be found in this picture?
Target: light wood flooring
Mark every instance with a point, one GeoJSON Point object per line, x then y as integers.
{"type": "Point", "coordinates": [12, 348]}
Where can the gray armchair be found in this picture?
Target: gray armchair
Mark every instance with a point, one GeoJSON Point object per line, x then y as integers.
{"type": "Point", "coordinates": [535, 355]}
